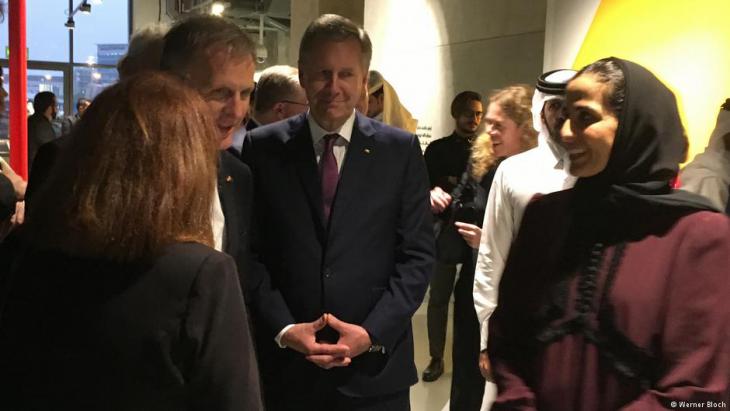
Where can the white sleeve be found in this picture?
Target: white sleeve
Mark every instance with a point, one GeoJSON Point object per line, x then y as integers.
{"type": "Point", "coordinates": [497, 233]}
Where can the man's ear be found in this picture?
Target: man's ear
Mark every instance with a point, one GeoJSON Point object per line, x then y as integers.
{"type": "Point", "coordinates": [278, 109]}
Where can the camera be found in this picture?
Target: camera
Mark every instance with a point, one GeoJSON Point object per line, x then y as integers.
{"type": "Point", "coordinates": [261, 53]}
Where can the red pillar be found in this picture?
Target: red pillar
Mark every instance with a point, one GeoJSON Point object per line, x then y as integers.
{"type": "Point", "coordinates": [18, 88]}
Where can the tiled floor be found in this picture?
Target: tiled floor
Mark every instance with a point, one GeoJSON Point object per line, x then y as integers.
{"type": "Point", "coordinates": [434, 396]}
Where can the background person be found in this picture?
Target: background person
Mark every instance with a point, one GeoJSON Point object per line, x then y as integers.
{"type": "Point", "coordinates": [384, 104]}
{"type": "Point", "coordinates": [117, 301]}
{"type": "Point", "coordinates": [614, 295]}
{"type": "Point", "coordinates": [81, 105]}
{"type": "Point", "coordinates": [709, 173]}
{"type": "Point", "coordinates": [539, 170]}
{"type": "Point", "coordinates": [446, 161]}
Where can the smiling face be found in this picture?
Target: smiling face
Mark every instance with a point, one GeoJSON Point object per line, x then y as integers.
{"type": "Point", "coordinates": [505, 134]}
{"type": "Point", "coordinates": [588, 133]}
{"type": "Point", "coordinates": [333, 77]}
{"type": "Point", "coordinates": [226, 88]}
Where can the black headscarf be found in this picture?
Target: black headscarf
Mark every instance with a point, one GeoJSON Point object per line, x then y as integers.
{"type": "Point", "coordinates": [649, 145]}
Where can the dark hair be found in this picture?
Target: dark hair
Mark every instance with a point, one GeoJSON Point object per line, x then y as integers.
{"type": "Point", "coordinates": [193, 40]}
{"type": "Point", "coordinates": [461, 101]}
{"type": "Point", "coordinates": [333, 27]}
{"type": "Point", "coordinates": [276, 83]}
{"type": "Point", "coordinates": [82, 100]}
{"type": "Point", "coordinates": [608, 72]}
{"type": "Point", "coordinates": [122, 179]}
{"type": "Point", "coordinates": [43, 100]}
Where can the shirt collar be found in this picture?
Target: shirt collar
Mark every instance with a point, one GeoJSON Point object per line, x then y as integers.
{"type": "Point", "coordinates": [345, 131]}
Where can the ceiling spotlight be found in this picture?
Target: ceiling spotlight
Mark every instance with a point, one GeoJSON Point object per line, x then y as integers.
{"type": "Point", "coordinates": [70, 23]}
{"type": "Point", "coordinates": [217, 8]}
{"type": "Point", "coordinates": [85, 7]}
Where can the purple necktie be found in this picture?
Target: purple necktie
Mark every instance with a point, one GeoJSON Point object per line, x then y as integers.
{"type": "Point", "coordinates": [328, 174]}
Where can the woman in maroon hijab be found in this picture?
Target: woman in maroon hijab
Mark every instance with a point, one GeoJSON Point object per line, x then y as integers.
{"type": "Point", "coordinates": [615, 295]}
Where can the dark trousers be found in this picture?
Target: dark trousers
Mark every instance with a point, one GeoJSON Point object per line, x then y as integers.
{"type": "Point", "coordinates": [467, 384]}
{"type": "Point", "coordinates": [322, 396]}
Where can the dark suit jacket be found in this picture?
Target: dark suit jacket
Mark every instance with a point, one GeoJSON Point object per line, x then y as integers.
{"type": "Point", "coordinates": [90, 334]}
{"type": "Point", "coordinates": [40, 131]}
{"type": "Point", "coordinates": [371, 267]}
{"type": "Point", "coordinates": [235, 190]}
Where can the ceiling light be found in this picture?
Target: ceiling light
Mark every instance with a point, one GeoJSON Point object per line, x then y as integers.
{"type": "Point", "coordinates": [217, 8]}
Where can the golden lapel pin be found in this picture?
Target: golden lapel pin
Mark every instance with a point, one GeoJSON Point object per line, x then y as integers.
{"type": "Point", "coordinates": [229, 179]}
{"type": "Point", "coordinates": [367, 151]}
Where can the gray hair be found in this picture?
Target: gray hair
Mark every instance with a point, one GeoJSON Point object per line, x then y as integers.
{"type": "Point", "coordinates": [144, 51]}
{"type": "Point", "coordinates": [277, 83]}
{"type": "Point", "coordinates": [189, 41]}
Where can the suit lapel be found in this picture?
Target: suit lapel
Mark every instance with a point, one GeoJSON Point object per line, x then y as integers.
{"type": "Point", "coordinates": [355, 170]}
{"type": "Point", "coordinates": [304, 165]}
{"type": "Point", "coordinates": [227, 195]}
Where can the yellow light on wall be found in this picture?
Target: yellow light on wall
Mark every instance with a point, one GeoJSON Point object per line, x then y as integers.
{"type": "Point", "coordinates": [685, 43]}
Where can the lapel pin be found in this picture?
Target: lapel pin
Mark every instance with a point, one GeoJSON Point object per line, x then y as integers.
{"type": "Point", "coordinates": [367, 151]}
{"type": "Point", "coordinates": [229, 179]}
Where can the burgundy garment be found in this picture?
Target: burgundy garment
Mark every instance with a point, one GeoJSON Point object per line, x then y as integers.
{"type": "Point", "coordinates": [328, 174]}
{"type": "Point", "coordinates": [630, 313]}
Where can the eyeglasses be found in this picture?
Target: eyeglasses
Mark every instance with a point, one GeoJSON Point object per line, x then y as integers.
{"type": "Point", "coordinates": [295, 102]}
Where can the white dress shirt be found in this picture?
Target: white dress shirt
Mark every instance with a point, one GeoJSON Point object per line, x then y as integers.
{"type": "Point", "coordinates": [516, 181]}
{"type": "Point", "coordinates": [218, 220]}
{"type": "Point", "coordinates": [339, 150]}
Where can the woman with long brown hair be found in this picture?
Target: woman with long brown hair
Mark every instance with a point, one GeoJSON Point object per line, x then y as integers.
{"type": "Point", "coordinates": [114, 298]}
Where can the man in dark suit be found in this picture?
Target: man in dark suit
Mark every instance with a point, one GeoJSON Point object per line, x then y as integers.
{"type": "Point", "coordinates": [345, 235]}
{"type": "Point", "coordinates": [40, 129]}
{"type": "Point", "coordinates": [216, 57]}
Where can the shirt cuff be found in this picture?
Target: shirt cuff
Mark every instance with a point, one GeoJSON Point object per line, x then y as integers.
{"type": "Point", "coordinates": [281, 334]}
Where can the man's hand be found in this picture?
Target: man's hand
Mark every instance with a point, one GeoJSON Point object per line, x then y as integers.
{"type": "Point", "coordinates": [301, 338]}
{"type": "Point", "coordinates": [471, 233]}
{"type": "Point", "coordinates": [18, 183]}
{"type": "Point", "coordinates": [439, 200]}
{"type": "Point", "coordinates": [485, 367]}
{"type": "Point", "coordinates": [351, 335]}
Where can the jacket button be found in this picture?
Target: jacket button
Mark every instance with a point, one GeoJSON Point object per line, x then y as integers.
{"type": "Point", "coordinates": [327, 273]}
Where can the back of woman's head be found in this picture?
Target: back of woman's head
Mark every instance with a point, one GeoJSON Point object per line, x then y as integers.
{"type": "Point", "coordinates": [137, 174]}
{"type": "Point", "coordinates": [516, 102]}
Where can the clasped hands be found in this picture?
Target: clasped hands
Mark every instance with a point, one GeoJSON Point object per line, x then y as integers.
{"type": "Point", "coordinates": [354, 340]}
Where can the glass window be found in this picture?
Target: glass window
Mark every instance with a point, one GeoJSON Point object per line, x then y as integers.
{"type": "Point", "coordinates": [90, 81]}
{"type": "Point", "coordinates": [47, 80]}
{"type": "Point", "coordinates": [47, 37]}
{"type": "Point", "coordinates": [101, 36]}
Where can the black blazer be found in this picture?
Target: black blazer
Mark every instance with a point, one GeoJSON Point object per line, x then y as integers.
{"type": "Point", "coordinates": [371, 267]}
{"type": "Point", "coordinates": [90, 334]}
{"type": "Point", "coordinates": [235, 190]}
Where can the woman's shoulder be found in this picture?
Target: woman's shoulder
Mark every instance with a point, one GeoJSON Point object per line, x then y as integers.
{"type": "Point", "coordinates": [707, 226]}
{"type": "Point", "coordinates": [189, 257]}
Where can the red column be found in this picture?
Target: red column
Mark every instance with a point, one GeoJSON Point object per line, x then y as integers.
{"type": "Point", "coordinates": [18, 88]}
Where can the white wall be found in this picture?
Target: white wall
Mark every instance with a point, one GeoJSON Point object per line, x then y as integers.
{"type": "Point", "coordinates": [566, 25]}
{"type": "Point", "coordinates": [432, 49]}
